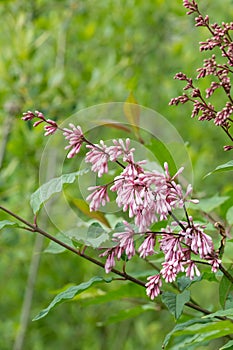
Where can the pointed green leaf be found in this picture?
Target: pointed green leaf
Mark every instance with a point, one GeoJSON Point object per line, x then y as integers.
{"type": "Point", "coordinates": [94, 236]}
{"type": "Point", "coordinates": [202, 329]}
{"type": "Point", "coordinates": [207, 332]}
{"type": "Point", "coordinates": [175, 302]}
{"type": "Point", "coordinates": [218, 328]}
{"type": "Point", "coordinates": [208, 204]}
{"type": "Point", "coordinates": [225, 287]}
{"type": "Point", "coordinates": [127, 291]}
{"type": "Point", "coordinates": [55, 185]}
{"type": "Point", "coordinates": [180, 327]}
{"type": "Point", "coordinates": [128, 313]}
{"type": "Point", "coordinates": [223, 167]}
{"type": "Point", "coordinates": [84, 208]}
{"type": "Point", "coordinates": [185, 282]}
{"type": "Point", "coordinates": [221, 313]}
{"type": "Point", "coordinates": [228, 345]}
{"type": "Point", "coordinates": [5, 223]}
{"type": "Point", "coordinates": [69, 294]}
{"type": "Point", "coordinates": [162, 154]}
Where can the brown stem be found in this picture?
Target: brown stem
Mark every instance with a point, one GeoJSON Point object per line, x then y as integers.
{"type": "Point", "coordinates": [37, 229]}
{"type": "Point", "coordinates": [226, 273]}
{"type": "Point", "coordinates": [124, 275]}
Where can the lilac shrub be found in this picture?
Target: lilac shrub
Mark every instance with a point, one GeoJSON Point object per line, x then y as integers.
{"type": "Point", "coordinates": [147, 197]}
{"type": "Point", "coordinates": [154, 203]}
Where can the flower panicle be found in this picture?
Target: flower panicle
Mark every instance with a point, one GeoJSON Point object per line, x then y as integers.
{"type": "Point", "coordinates": [221, 73]}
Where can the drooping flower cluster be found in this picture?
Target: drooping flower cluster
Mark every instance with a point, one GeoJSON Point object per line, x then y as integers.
{"type": "Point", "coordinates": [147, 197]}
{"type": "Point", "coordinates": [179, 248]}
{"type": "Point", "coordinates": [221, 38]}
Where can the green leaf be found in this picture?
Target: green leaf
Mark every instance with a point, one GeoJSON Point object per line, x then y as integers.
{"type": "Point", "coordinates": [229, 216]}
{"type": "Point", "coordinates": [128, 313]}
{"type": "Point", "coordinates": [55, 185]}
{"type": "Point", "coordinates": [69, 294]}
{"type": "Point", "coordinates": [94, 236]}
{"type": "Point", "coordinates": [225, 287]}
{"type": "Point", "coordinates": [5, 223]}
{"type": "Point", "coordinates": [127, 291]}
{"type": "Point", "coordinates": [175, 302]}
{"type": "Point", "coordinates": [202, 330]}
{"type": "Point", "coordinates": [162, 154]}
{"type": "Point", "coordinates": [221, 313]}
{"type": "Point", "coordinates": [229, 301]}
{"type": "Point", "coordinates": [180, 327]}
{"type": "Point", "coordinates": [208, 204]}
{"type": "Point", "coordinates": [55, 248]}
{"type": "Point", "coordinates": [185, 282]}
{"type": "Point", "coordinates": [208, 331]}
{"type": "Point", "coordinates": [223, 167]}
{"type": "Point", "coordinates": [228, 345]}
{"type": "Point", "coordinates": [209, 276]}
{"type": "Point", "coordinates": [84, 208]}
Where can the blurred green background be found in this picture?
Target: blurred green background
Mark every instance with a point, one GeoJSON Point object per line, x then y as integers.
{"type": "Point", "coordinates": [60, 57]}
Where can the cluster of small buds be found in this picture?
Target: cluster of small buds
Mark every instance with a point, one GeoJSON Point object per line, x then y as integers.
{"type": "Point", "coordinates": [147, 197]}
{"type": "Point", "coordinates": [220, 38]}
{"type": "Point", "coordinates": [50, 127]}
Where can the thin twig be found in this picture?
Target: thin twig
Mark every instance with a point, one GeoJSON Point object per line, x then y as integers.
{"type": "Point", "coordinates": [124, 275]}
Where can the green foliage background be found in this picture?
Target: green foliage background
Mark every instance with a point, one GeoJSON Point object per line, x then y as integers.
{"type": "Point", "coordinates": [60, 57]}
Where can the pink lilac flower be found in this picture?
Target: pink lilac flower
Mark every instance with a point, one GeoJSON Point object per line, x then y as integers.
{"type": "Point", "coordinates": [128, 186]}
{"type": "Point", "coordinates": [171, 245]}
{"type": "Point", "coordinates": [51, 128]}
{"type": "Point", "coordinates": [28, 116]}
{"type": "Point", "coordinates": [125, 244]}
{"type": "Point", "coordinates": [227, 148]}
{"type": "Point", "coordinates": [98, 197]}
{"type": "Point", "coordinates": [111, 253]}
{"type": "Point", "coordinates": [192, 270]}
{"type": "Point", "coordinates": [135, 196]}
{"type": "Point", "coordinates": [153, 286]}
{"type": "Point", "coordinates": [125, 240]}
{"type": "Point", "coordinates": [162, 206]}
{"type": "Point", "coordinates": [38, 122]}
{"type": "Point", "coordinates": [199, 242]}
{"type": "Point", "coordinates": [75, 137]}
{"type": "Point", "coordinates": [171, 269]}
{"type": "Point", "coordinates": [119, 149]}
{"type": "Point", "coordinates": [215, 262]}
{"type": "Point", "coordinates": [147, 194]}
{"type": "Point", "coordinates": [147, 247]}
{"type": "Point", "coordinates": [98, 157]}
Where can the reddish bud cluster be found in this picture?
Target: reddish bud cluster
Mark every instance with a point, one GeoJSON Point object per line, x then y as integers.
{"type": "Point", "coordinates": [221, 38]}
